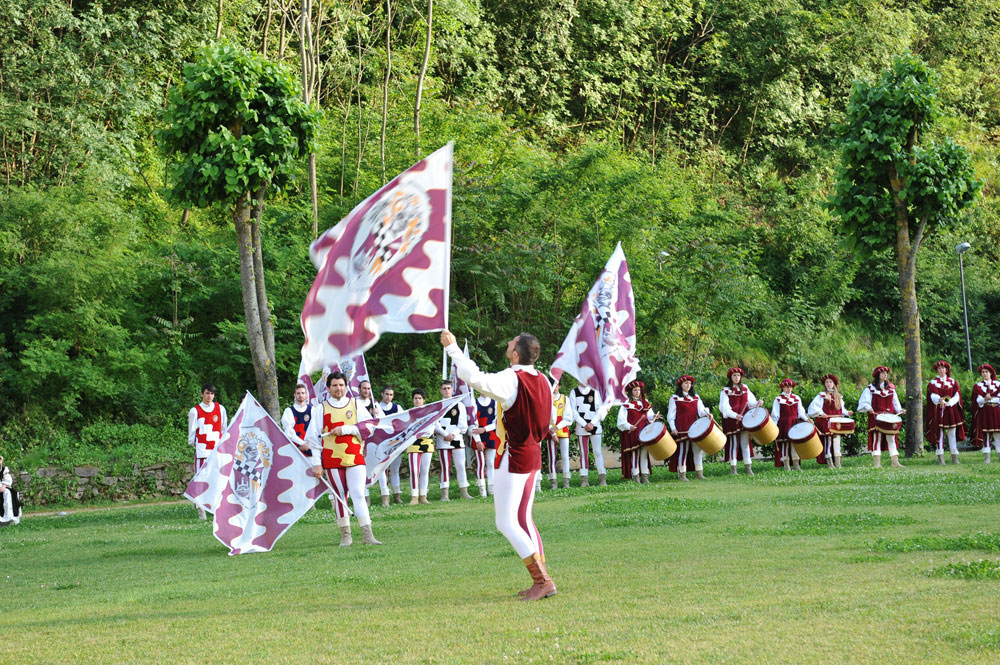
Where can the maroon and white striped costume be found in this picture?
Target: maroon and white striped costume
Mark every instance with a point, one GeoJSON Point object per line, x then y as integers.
{"type": "Point", "coordinates": [944, 415]}
{"type": "Point", "coordinates": [786, 410]}
{"type": "Point", "coordinates": [986, 411]}
{"type": "Point", "coordinates": [486, 418]}
{"type": "Point", "coordinates": [206, 423]}
{"type": "Point", "coordinates": [821, 408]}
{"type": "Point", "coordinates": [683, 411]}
{"type": "Point", "coordinates": [525, 397]}
{"type": "Point", "coordinates": [876, 399]}
{"type": "Point", "coordinates": [733, 404]}
{"type": "Point", "coordinates": [632, 417]}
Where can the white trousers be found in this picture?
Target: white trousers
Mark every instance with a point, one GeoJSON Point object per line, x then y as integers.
{"type": "Point", "coordinates": [787, 451]}
{"type": "Point", "coordinates": [420, 471]}
{"type": "Point", "coordinates": [7, 505]}
{"type": "Point", "coordinates": [484, 467]}
{"type": "Point", "coordinates": [640, 461]}
{"type": "Point", "coordinates": [588, 441]}
{"type": "Point", "coordinates": [744, 444]}
{"type": "Point", "coordinates": [563, 457]}
{"type": "Point", "coordinates": [349, 481]}
{"type": "Point", "coordinates": [890, 440]}
{"type": "Point", "coordinates": [513, 503]}
{"type": "Point", "coordinates": [996, 442]}
{"type": "Point", "coordinates": [831, 447]}
{"type": "Point", "coordinates": [696, 452]}
{"type": "Point", "coordinates": [448, 457]}
{"type": "Point", "coordinates": [952, 440]}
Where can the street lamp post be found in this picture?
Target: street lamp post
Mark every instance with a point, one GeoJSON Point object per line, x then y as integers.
{"type": "Point", "coordinates": [960, 249]}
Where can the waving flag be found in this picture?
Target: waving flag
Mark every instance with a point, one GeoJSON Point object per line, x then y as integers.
{"type": "Point", "coordinates": [600, 347]}
{"type": "Point", "coordinates": [256, 481]}
{"type": "Point", "coordinates": [384, 268]}
{"type": "Point", "coordinates": [460, 387]}
{"type": "Point", "coordinates": [354, 369]}
{"type": "Point", "coordinates": [393, 434]}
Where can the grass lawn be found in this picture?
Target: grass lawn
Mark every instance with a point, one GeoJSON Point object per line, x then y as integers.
{"type": "Point", "coordinates": [854, 565]}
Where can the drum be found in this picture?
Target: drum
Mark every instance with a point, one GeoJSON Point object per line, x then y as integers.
{"type": "Point", "coordinates": [841, 426]}
{"type": "Point", "coordinates": [888, 423]}
{"type": "Point", "coordinates": [805, 438]}
{"type": "Point", "coordinates": [657, 438]}
{"type": "Point", "coordinates": [758, 422]}
{"type": "Point", "coordinates": [707, 435]}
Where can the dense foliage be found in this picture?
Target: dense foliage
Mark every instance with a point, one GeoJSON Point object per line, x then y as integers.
{"type": "Point", "coordinates": [702, 134]}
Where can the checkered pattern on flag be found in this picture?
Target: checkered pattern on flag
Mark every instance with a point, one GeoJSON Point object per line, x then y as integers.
{"type": "Point", "coordinates": [256, 482]}
{"type": "Point", "coordinates": [393, 434]}
{"type": "Point", "coordinates": [600, 347]}
{"type": "Point", "coordinates": [384, 268]}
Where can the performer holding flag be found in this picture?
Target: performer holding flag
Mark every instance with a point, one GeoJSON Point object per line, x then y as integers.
{"type": "Point", "coordinates": [525, 398]}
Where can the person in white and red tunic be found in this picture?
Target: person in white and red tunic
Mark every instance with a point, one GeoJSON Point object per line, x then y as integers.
{"type": "Point", "coordinates": [879, 397]}
{"type": "Point", "coordinates": [559, 434]}
{"type": "Point", "coordinates": [485, 442]}
{"type": "Point", "coordinates": [338, 455]}
{"type": "Point", "coordinates": [786, 411]}
{"type": "Point", "coordinates": [296, 418]}
{"type": "Point", "coordinates": [525, 399]}
{"type": "Point", "coordinates": [734, 401]}
{"type": "Point", "coordinates": [828, 404]}
{"type": "Point", "coordinates": [944, 416]}
{"type": "Point", "coordinates": [206, 423]}
{"type": "Point", "coordinates": [986, 410]}
{"type": "Point", "coordinates": [685, 408]}
{"type": "Point", "coordinates": [632, 417]}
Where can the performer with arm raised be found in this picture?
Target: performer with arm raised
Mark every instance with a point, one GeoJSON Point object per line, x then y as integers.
{"type": "Point", "coordinates": [734, 401]}
{"type": "Point", "coordinates": [525, 398]}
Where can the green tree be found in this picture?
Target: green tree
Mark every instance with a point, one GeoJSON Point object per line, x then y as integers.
{"type": "Point", "coordinates": [891, 187]}
{"type": "Point", "coordinates": [236, 125]}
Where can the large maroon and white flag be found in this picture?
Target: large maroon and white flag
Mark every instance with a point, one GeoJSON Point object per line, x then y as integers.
{"type": "Point", "coordinates": [600, 347]}
{"type": "Point", "coordinates": [354, 369]}
{"type": "Point", "coordinates": [256, 482]}
{"type": "Point", "coordinates": [384, 268]}
{"type": "Point", "coordinates": [395, 433]}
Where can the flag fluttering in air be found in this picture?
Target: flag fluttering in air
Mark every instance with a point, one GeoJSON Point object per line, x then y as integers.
{"type": "Point", "coordinates": [354, 369]}
{"type": "Point", "coordinates": [384, 268]}
{"type": "Point", "coordinates": [256, 482]}
{"type": "Point", "coordinates": [600, 348]}
{"type": "Point", "coordinates": [395, 433]}
{"type": "Point", "coordinates": [460, 387]}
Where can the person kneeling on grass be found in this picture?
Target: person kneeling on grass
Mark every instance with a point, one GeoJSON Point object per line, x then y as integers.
{"type": "Point", "coordinates": [10, 505]}
{"type": "Point", "coordinates": [524, 395]}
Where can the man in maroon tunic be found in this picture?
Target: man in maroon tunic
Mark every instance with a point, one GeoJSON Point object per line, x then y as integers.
{"type": "Point", "coordinates": [524, 395]}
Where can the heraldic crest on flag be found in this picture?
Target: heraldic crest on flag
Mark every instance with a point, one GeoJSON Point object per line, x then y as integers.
{"type": "Point", "coordinates": [256, 482]}
{"type": "Point", "coordinates": [384, 268]}
{"type": "Point", "coordinates": [600, 348]}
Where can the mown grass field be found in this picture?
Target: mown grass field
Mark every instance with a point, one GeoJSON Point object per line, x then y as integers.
{"type": "Point", "coordinates": [848, 566]}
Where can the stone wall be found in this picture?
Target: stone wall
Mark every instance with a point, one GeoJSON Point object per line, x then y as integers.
{"type": "Point", "coordinates": [83, 483]}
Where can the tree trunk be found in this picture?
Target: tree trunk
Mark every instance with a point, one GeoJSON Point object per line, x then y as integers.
{"type": "Point", "coordinates": [306, 52]}
{"type": "Point", "coordinates": [267, 27]}
{"type": "Point", "coordinates": [218, 23]}
{"type": "Point", "coordinates": [267, 326]}
{"type": "Point", "coordinates": [423, 73]}
{"type": "Point", "coordinates": [906, 263]}
{"type": "Point", "coordinates": [264, 369]}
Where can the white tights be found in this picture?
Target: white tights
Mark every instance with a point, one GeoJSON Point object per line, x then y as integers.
{"type": "Point", "coordinates": [744, 444]}
{"type": "Point", "coordinates": [640, 462]}
{"type": "Point", "coordinates": [349, 481]}
{"type": "Point", "coordinates": [513, 504]}
{"type": "Point", "coordinates": [952, 440]}
{"type": "Point", "coordinates": [996, 442]}
{"type": "Point", "coordinates": [591, 441]}
{"type": "Point", "coordinates": [890, 440]}
{"type": "Point", "coordinates": [420, 471]}
{"type": "Point", "coordinates": [563, 457]}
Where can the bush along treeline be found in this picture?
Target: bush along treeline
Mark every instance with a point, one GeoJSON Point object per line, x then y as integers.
{"type": "Point", "coordinates": [704, 136]}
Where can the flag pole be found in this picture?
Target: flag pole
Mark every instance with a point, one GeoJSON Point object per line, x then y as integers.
{"type": "Point", "coordinates": [451, 240]}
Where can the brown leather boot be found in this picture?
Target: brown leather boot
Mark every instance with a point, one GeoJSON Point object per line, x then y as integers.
{"type": "Point", "coordinates": [836, 461]}
{"type": "Point", "coordinates": [414, 499]}
{"type": "Point", "coordinates": [397, 498]}
{"type": "Point", "coordinates": [682, 475]}
{"type": "Point", "coordinates": [553, 484]}
{"type": "Point", "coordinates": [602, 480]}
{"type": "Point", "coordinates": [584, 481]}
{"type": "Point", "coordinates": [644, 478]}
{"type": "Point", "coordinates": [345, 536]}
{"type": "Point", "coordinates": [464, 492]}
{"type": "Point", "coordinates": [797, 464]}
{"type": "Point", "coordinates": [876, 461]}
{"type": "Point", "coordinates": [787, 463]}
{"type": "Point", "coordinates": [748, 469]}
{"type": "Point", "coordinates": [385, 500]}
{"type": "Point", "coordinates": [940, 459]}
{"type": "Point", "coordinates": [423, 499]}
{"type": "Point", "coordinates": [444, 494]}
{"type": "Point", "coordinates": [954, 458]}
{"type": "Point", "coordinates": [895, 462]}
{"type": "Point", "coordinates": [699, 475]}
{"type": "Point", "coordinates": [565, 483]}
{"type": "Point", "coordinates": [732, 469]}
{"type": "Point", "coordinates": [542, 586]}
{"type": "Point", "coordinates": [368, 538]}
{"type": "Point", "coordinates": [987, 461]}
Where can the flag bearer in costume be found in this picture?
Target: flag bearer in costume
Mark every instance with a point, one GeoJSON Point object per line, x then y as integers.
{"type": "Point", "coordinates": [485, 442]}
{"type": "Point", "coordinates": [735, 400]}
{"type": "Point", "coordinates": [525, 399]}
{"type": "Point", "coordinates": [206, 423]}
{"type": "Point", "coordinates": [559, 434]}
{"type": "Point", "coordinates": [880, 396]}
{"type": "Point", "coordinates": [388, 408]}
{"type": "Point", "coordinates": [296, 418]}
{"type": "Point", "coordinates": [632, 417]}
{"type": "Point", "coordinates": [420, 454]}
{"type": "Point", "coordinates": [450, 443]}
{"type": "Point", "coordinates": [337, 446]}
{"type": "Point", "coordinates": [944, 416]}
{"type": "Point", "coordinates": [367, 400]}
{"type": "Point", "coordinates": [986, 410]}
{"type": "Point", "coordinates": [828, 404]}
{"type": "Point", "coordinates": [786, 411]}
{"type": "Point", "coordinates": [685, 408]}
{"type": "Point", "coordinates": [588, 413]}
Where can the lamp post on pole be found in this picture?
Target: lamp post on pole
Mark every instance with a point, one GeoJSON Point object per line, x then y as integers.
{"type": "Point", "coordinates": [960, 249]}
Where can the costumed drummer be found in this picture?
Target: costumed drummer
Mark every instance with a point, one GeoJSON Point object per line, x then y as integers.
{"type": "Point", "coordinates": [685, 408]}
{"type": "Point", "coordinates": [944, 414]}
{"type": "Point", "coordinates": [787, 410]}
{"type": "Point", "coordinates": [986, 410]}
{"type": "Point", "coordinates": [588, 412]}
{"type": "Point", "coordinates": [632, 417]}
{"type": "Point", "coordinates": [338, 454]}
{"type": "Point", "coordinates": [525, 399]}
{"type": "Point", "coordinates": [829, 403]}
{"type": "Point", "coordinates": [559, 434]}
{"type": "Point", "coordinates": [734, 401]}
{"type": "Point", "coordinates": [206, 423]}
{"type": "Point", "coordinates": [389, 408]}
{"type": "Point", "coordinates": [879, 397]}
{"type": "Point", "coordinates": [485, 441]}
{"type": "Point", "coordinates": [420, 454]}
